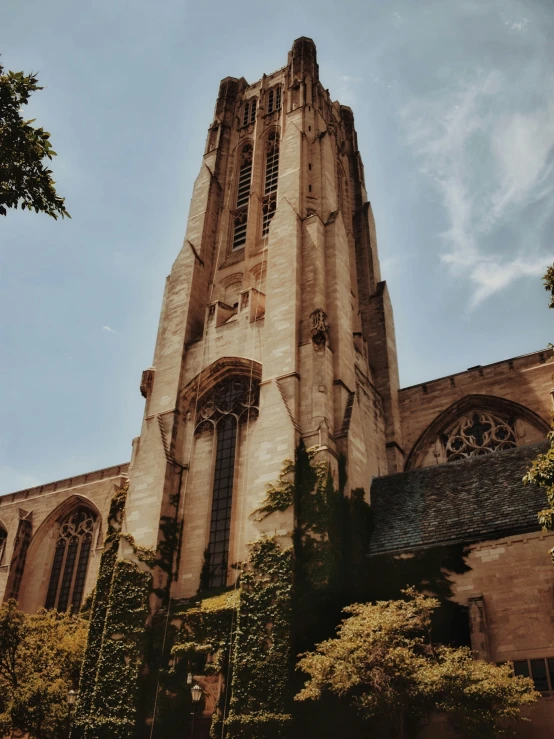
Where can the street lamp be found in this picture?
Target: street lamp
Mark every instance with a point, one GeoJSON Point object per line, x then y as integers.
{"type": "Point", "coordinates": [196, 693]}
{"type": "Point", "coordinates": [71, 698]}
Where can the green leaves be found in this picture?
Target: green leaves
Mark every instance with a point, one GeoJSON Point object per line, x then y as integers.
{"type": "Point", "coordinates": [40, 656]}
{"type": "Point", "coordinates": [383, 664]}
{"type": "Point", "coordinates": [25, 182]}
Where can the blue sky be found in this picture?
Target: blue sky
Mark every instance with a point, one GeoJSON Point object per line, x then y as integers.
{"type": "Point", "coordinates": [454, 107]}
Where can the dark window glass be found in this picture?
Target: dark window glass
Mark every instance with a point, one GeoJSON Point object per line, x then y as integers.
{"type": "Point", "coordinates": [538, 673]}
{"type": "Point", "coordinates": [245, 114]}
{"type": "Point", "coordinates": [521, 668]}
{"type": "Point", "coordinates": [81, 574]}
{"type": "Point", "coordinates": [55, 576]}
{"type": "Point", "coordinates": [220, 527]}
{"type": "Point", "coordinates": [550, 663]}
{"type": "Point", "coordinates": [69, 568]}
{"type": "Point", "coordinates": [68, 574]}
{"type": "Point", "coordinates": [3, 537]}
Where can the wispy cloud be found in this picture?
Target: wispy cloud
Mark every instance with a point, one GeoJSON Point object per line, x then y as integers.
{"type": "Point", "coordinates": [397, 19]}
{"type": "Point", "coordinates": [109, 329]}
{"type": "Point", "coordinates": [489, 161]}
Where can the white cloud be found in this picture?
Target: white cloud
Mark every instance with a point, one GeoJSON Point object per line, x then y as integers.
{"type": "Point", "coordinates": [109, 329]}
{"type": "Point", "coordinates": [489, 161]}
{"type": "Point", "coordinates": [519, 25]}
{"type": "Point", "coordinates": [397, 19]}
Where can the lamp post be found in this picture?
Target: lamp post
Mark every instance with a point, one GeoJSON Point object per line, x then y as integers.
{"type": "Point", "coordinates": [196, 693]}
{"type": "Point", "coordinates": [71, 698]}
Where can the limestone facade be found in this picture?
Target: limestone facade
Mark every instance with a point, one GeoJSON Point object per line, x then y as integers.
{"type": "Point", "coordinates": [277, 328]}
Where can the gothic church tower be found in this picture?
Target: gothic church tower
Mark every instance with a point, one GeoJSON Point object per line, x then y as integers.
{"type": "Point", "coordinates": [275, 326]}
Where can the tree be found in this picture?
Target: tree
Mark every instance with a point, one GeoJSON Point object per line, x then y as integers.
{"type": "Point", "coordinates": [541, 471]}
{"type": "Point", "coordinates": [40, 658]}
{"type": "Point", "coordinates": [384, 665]}
{"type": "Point", "coordinates": [25, 181]}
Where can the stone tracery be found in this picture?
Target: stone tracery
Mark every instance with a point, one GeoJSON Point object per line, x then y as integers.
{"type": "Point", "coordinates": [69, 569]}
{"type": "Point", "coordinates": [237, 396]}
{"type": "Point", "coordinates": [478, 433]}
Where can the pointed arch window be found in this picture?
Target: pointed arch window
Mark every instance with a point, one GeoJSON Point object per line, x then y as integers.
{"type": "Point", "coordinates": [240, 214]}
{"type": "Point", "coordinates": [274, 99]}
{"type": "Point", "coordinates": [231, 402]}
{"type": "Point", "coordinates": [69, 568]}
{"type": "Point", "coordinates": [269, 200]}
{"type": "Point", "coordinates": [249, 111]}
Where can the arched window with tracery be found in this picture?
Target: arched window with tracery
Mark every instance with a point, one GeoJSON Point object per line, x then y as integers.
{"type": "Point", "coordinates": [3, 539]}
{"type": "Point", "coordinates": [229, 404]}
{"type": "Point", "coordinates": [69, 568]}
{"type": "Point", "coordinates": [269, 200]}
{"type": "Point", "coordinates": [240, 214]}
{"type": "Point", "coordinates": [478, 433]}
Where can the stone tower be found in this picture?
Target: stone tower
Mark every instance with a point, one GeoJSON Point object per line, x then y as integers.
{"type": "Point", "coordinates": [275, 327]}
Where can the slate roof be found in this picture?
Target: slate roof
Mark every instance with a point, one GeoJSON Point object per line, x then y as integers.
{"type": "Point", "coordinates": [468, 501]}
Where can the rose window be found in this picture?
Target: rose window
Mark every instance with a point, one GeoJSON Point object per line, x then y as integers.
{"type": "Point", "coordinates": [478, 433]}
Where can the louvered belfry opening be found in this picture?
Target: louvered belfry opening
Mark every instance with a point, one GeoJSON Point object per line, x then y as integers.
{"type": "Point", "coordinates": [240, 214]}
{"type": "Point", "coordinates": [269, 201]}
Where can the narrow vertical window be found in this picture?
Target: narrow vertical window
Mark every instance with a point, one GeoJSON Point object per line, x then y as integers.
{"type": "Point", "coordinates": [249, 112]}
{"type": "Point", "coordinates": [274, 99]}
{"type": "Point", "coordinates": [69, 568]}
{"type": "Point", "coordinates": [220, 528]}
{"type": "Point", "coordinates": [269, 201]}
{"type": "Point", "coordinates": [240, 214]}
{"type": "Point", "coordinates": [230, 403]}
{"type": "Point", "coordinates": [3, 537]}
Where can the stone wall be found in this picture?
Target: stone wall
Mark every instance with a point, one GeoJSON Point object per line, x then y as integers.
{"type": "Point", "coordinates": [525, 380]}
{"type": "Point", "coordinates": [41, 508]}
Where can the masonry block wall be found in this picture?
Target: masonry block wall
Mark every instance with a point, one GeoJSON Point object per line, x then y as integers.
{"type": "Point", "coordinates": [277, 282]}
{"type": "Point", "coordinates": [520, 387]}
{"type": "Point", "coordinates": [31, 520]}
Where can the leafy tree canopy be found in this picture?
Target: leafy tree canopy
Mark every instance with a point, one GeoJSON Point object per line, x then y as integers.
{"type": "Point", "coordinates": [40, 658]}
{"type": "Point", "coordinates": [541, 471]}
{"type": "Point", "coordinates": [383, 665]}
{"type": "Point", "coordinates": [25, 181]}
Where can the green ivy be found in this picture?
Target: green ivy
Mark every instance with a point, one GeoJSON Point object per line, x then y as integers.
{"type": "Point", "coordinates": [119, 611]}
{"type": "Point", "coordinates": [99, 608]}
{"type": "Point", "coordinates": [278, 497]}
{"type": "Point", "coordinates": [262, 647]}
{"type": "Point", "coordinates": [114, 706]}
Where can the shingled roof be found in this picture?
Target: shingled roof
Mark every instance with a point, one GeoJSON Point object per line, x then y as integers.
{"type": "Point", "coordinates": [472, 500]}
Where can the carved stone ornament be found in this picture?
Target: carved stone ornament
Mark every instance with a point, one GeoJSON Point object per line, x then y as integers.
{"type": "Point", "coordinates": [146, 382]}
{"type": "Point", "coordinates": [237, 396]}
{"type": "Point", "coordinates": [320, 328]}
{"type": "Point", "coordinates": [478, 433]}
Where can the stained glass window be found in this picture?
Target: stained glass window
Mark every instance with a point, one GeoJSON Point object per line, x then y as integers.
{"type": "Point", "coordinates": [230, 402]}
{"type": "Point", "coordinates": [222, 501]}
{"type": "Point", "coordinates": [69, 568]}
